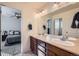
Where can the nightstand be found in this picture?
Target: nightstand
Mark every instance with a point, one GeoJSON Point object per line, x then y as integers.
{"type": "Point", "coordinates": [4, 37]}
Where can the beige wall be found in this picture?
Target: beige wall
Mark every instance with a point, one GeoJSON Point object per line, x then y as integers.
{"type": "Point", "coordinates": [67, 21]}
{"type": "Point", "coordinates": [67, 18]}
{"type": "Point", "coordinates": [28, 17]}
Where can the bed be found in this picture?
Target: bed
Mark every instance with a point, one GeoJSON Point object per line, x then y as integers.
{"type": "Point", "coordinates": [13, 38]}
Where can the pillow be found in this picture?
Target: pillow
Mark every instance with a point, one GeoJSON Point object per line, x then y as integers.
{"type": "Point", "coordinates": [16, 33]}
{"type": "Point", "coordinates": [11, 32]}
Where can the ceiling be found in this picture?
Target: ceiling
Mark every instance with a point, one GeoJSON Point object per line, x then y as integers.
{"type": "Point", "coordinates": [37, 6]}
{"type": "Point", "coordinates": [31, 5]}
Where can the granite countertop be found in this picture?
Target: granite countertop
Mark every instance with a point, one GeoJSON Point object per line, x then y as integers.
{"type": "Point", "coordinates": [73, 49]}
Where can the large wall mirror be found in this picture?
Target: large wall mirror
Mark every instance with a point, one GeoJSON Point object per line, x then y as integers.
{"type": "Point", "coordinates": [49, 26]}
{"type": "Point", "coordinates": [58, 26]}
{"type": "Point", "coordinates": [54, 26]}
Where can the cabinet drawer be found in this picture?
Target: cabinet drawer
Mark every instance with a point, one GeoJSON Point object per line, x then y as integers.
{"type": "Point", "coordinates": [33, 39]}
{"type": "Point", "coordinates": [34, 43]}
{"type": "Point", "coordinates": [41, 43]}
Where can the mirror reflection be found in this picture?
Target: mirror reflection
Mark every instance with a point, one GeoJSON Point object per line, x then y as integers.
{"type": "Point", "coordinates": [58, 26]}
{"type": "Point", "coordinates": [54, 26]}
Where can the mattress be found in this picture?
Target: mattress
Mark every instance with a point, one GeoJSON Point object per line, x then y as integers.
{"type": "Point", "coordinates": [12, 39]}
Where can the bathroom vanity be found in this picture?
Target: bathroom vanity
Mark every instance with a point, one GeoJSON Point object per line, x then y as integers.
{"type": "Point", "coordinates": [41, 47]}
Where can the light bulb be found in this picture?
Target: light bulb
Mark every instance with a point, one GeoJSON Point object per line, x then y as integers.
{"type": "Point", "coordinates": [55, 5]}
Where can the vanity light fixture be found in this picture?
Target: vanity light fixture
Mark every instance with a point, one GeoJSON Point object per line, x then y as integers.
{"type": "Point", "coordinates": [55, 5]}
{"type": "Point", "coordinates": [43, 11]}
{"type": "Point", "coordinates": [40, 13]}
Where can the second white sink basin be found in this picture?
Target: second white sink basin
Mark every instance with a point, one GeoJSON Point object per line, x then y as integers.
{"type": "Point", "coordinates": [65, 43]}
{"type": "Point", "coordinates": [57, 39]}
{"type": "Point", "coordinates": [71, 38]}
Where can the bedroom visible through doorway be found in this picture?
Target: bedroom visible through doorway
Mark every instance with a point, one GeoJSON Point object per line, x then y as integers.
{"type": "Point", "coordinates": [10, 31]}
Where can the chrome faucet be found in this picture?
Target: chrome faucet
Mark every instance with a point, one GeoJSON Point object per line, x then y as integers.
{"type": "Point", "coordinates": [65, 37]}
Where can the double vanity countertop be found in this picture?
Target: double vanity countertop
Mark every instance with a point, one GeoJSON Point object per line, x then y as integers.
{"type": "Point", "coordinates": [73, 49]}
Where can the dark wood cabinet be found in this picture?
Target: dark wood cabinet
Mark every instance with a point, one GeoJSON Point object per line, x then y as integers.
{"type": "Point", "coordinates": [47, 49]}
{"type": "Point", "coordinates": [49, 53]}
{"type": "Point", "coordinates": [53, 50]}
{"type": "Point", "coordinates": [33, 45]}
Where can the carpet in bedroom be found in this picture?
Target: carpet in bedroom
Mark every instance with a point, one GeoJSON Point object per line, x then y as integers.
{"type": "Point", "coordinates": [11, 50]}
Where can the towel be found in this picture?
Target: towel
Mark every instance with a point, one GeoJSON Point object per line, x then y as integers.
{"type": "Point", "coordinates": [76, 18]}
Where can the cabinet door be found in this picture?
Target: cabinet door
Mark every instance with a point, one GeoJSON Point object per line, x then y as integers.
{"type": "Point", "coordinates": [61, 52]}
{"type": "Point", "coordinates": [33, 45]}
{"type": "Point", "coordinates": [49, 50]}
{"type": "Point", "coordinates": [49, 53]}
{"type": "Point", "coordinates": [57, 51]}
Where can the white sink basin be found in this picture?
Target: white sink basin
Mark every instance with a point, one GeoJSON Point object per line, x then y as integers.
{"type": "Point", "coordinates": [71, 38]}
{"type": "Point", "coordinates": [65, 43]}
{"type": "Point", "coordinates": [57, 39]}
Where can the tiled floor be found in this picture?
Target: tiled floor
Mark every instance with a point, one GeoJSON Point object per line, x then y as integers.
{"type": "Point", "coordinates": [24, 54]}
{"type": "Point", "coordinates": [5, 54]}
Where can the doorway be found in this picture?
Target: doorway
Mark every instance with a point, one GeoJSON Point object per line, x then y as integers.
{"type": "Point", "coordinates": [10, 31]}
